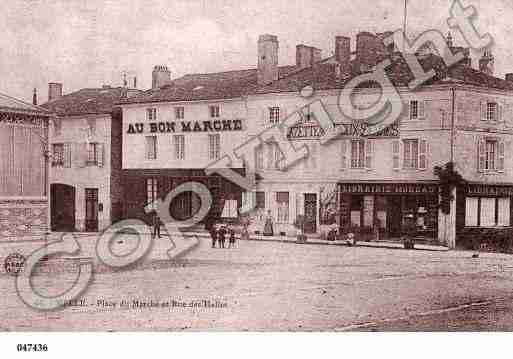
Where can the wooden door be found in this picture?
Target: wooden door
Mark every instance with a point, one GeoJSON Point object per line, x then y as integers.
{"type": "Point", "coordinates": [91, 216]}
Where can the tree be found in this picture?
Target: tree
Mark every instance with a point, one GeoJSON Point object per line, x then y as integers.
{"type": "Point", "coordinates": [449, 179]}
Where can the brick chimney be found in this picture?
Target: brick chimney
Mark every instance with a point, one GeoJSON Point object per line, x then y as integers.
{"type": "Point", "coordinates": [343, 53]}
{"type": "Point", "coordinates": [160, 76]}
{"type": "Point", "coordinates": [366, 50]}
{"type": "Point", "coordinates": [54, 91]}
{"type": "Point", "coordinates": [486, 63]}
{"type": "Point", "coordinates": [268, 47]}
{"type": "Point", "coordinates": [307, 56]}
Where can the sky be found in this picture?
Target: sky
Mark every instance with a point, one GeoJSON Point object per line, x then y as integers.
{"type": "Point", "coordinates": [90, 43]}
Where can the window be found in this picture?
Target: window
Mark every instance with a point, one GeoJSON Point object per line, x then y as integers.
{"type": "Point", "coordinates": [487, 211]}
{"type": "Point", "coordinates": [214, 146]}
{"type": "Point", "coordinates": [491, 153]}
{"type": "Point", "coordinates": [491, 111]}
{"type": "Point", "coordinates": [414, 110]}
{"type": "Point", "coordinates": [357, 154]}
{"type": "Point", "coordinates": [151, 114]}
{"type": "Point", "coordinates": [282, 199]}
{"type": "Point", "coordinates": [179, 144]}
{"type": "Point", "coordinates": [273, 155]}
{"type": "Point", "coordinates": [260, 200]}
{"type": "Point", "coordinates": [214, 111]}
{"type": "Point", "coordinates": [151, 147]}
{"type": "Point", "coordinates": [411, 154]}
{"type": "Point", "coordinates": [179, 113]}
{"type": "Point", "coordinates": [94, 152]}
{"type": "Point", "coordinates": [274, 115]}
{"type": "Point", "coordinates": [259, 157]}
{"type": "Point", "coordinates": [151, 191]}
{"type": "Point", "coordinates": [58, 155]}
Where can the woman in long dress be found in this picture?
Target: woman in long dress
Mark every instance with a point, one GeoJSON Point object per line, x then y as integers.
{"type": "Point", "coordinates": [268, 227]}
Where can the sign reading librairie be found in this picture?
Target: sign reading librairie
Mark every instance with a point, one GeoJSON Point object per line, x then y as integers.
{"type": "Point", "coordinates": [309, 131]}
{"type": "Point", "coordinates": [185, 126]}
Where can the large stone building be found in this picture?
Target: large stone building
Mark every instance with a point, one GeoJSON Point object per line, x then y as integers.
{"type": "Point", "coordinates": [24, 211]}
{"type": "Point", "coordinates": [85, 157]}
{"type": "Point", "coordinates": [461, 115]}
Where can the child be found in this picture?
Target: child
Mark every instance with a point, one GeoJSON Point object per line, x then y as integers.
{"type": "Point", "coordinates": [232, 238]}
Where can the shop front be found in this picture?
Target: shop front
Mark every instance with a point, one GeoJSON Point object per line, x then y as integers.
{"type": "Point", "coordinates": [388, 206]}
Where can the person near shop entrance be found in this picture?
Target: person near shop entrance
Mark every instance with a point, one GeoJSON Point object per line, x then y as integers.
{"type": "Point", "coordinates": [231, 242]}
{"type": "Point", "coordinates": [213, 233]}
{"type": "Point", "coordinates": [268, 227]}
{"type": "Point", "coordinates": [222, 236]}
{"type": "Point", "coordinates": [156, 225]}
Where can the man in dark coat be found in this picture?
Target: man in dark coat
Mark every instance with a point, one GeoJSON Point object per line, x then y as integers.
{"type": "Point", "coordinates": [222, 236]}
{"type": "Point", "coordinates": [213, 234]}
{"type": "Point", "coordinates": [156, 225]}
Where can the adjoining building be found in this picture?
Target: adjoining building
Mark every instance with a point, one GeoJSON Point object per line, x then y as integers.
{"type": "Point", "coordinates": [462, 115]}
{"type": "Point", "coordinates": [85, 157]}
{"type": "Point", "coordinates": [24, 210]}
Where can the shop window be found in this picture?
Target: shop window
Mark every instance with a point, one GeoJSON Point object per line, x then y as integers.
{"type": "Point", "coordinates": [356, 210]}
{"type": "Point", "coordinates": [151, 147]}
{"type": "Point", "coordinates": [282, 200]}
{"type": "Point", "coordinates": [487, 212]}
{"type": "Point", "coordinates": [260, 200]}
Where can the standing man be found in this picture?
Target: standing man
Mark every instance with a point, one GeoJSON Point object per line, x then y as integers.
{"type": "Point", "coordinates": [156, 225]}
{"type": "Point", "coordinates": [222, 236]}
{"type": "Point", "coordinates": [213, 233]}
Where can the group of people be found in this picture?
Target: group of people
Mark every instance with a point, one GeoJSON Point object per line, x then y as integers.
{"type": "Point", "coordinates": [218, 233]}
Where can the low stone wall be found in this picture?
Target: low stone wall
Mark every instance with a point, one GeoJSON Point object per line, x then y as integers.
{"type": "Point", "coordinates": [498, 239]}
{"type": "Point", "coordinates": [20, 219]}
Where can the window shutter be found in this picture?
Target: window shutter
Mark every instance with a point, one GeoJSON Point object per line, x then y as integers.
{"type": "Point", "coordinates": [500, 110]}
{"type": "Point", "coordinates": [369, 149]}
{"type": "Point", "coordinates": [500, 156]}
{"type": "Point", "coordinates": [270, 155]}
{"type": "Point", "coordinates": [423, 149]}
{"type": "Point", "coordinates": [264, 116]}
{"type": "Point", "coordinates": [67, 155]}
{"type": "Point", "coordinates": [300, 204]}
{"type": "Point", "coordinates": [408, 106]}
{"type": "Point", "coordinates": [396, 153]}
{"type": "Point", "coordinates": [283, 114]}
{"type": "Point", "coordinates": [481, 154]}
{"type": "Point", "coordinates": [483, 110]}
{"type": "Point", "coordinates": [82, 154]}
{"type": "Point", "coordinates": [100, 154]}
{"type": "Point", "coordinates": [422, 110]}
{"type": "Point", "coordinates": [343, 154]}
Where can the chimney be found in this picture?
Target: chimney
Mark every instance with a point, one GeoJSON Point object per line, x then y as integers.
{"type": "Point", "coordinates": [509, 77]}
{"type": "Point", "coordinates": [307, 56]}
{"type": "Point", "coordinates": [34, 97]}
{"type": "Point", "coordinates": [267, 59]}
{"type": "Point", "coordinates": [486, 63]}
{"type": "Point", "coordinates": [343, 53]}
{"type": "Point", "coordinates": [161, 76]}
{"type": "Point", "coordinates": [54, 91]}
{"type": "Point", "coordinates": [366, 50]}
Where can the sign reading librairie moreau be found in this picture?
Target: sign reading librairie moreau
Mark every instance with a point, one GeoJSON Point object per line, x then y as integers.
{"type": "Point", "coordinates": [185, 126]}
{"type": "Point", "coordinates": [311, 131]}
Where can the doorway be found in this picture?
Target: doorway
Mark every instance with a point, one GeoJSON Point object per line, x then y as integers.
{"type": "Point", "coordinates": [310, 213]}
{"type": "Point", "coordinates": [91, 215]}
{"type": "Point", "coordinates": [62, 214]}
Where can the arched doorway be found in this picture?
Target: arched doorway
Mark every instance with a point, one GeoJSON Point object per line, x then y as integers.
{"type": "Point", "coordinates": [62, 207]}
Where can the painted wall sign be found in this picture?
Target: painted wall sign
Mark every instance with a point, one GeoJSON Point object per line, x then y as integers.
{"type": "Point", "coordinates": [185, 126]}
{"type": "Point", "coordinates": [306, 131]}
{"type": "Point", "coordinates": [487, 190]}
{"type": "Point", "coordinates": [387, 188]}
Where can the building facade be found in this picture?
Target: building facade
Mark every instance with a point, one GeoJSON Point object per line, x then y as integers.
{"type": "Point", "coordinates": [85, 158]}
{"type": "Point", "coordinates": [379, 180]}
{"type": "Point", "coordinates": [24, 209]}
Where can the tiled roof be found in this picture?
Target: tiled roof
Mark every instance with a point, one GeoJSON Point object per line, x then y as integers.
{"type": "Point", "coordinates": [10, 104]}
{"type": "Point", "coordinates": [213, 86]}
{"type": "Point", "coordinates": [87, 101]}
{"type": "Point", "coordinates": [323, 76]}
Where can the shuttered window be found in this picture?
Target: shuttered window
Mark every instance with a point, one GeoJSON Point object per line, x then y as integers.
{"type": "Point", "coordinates": [151, 147]}
{"type": "Point", "coordinates": [491, 154]}
{"type": "Point", "coordinates": [179, 145]}
{"type": "Point", "coordinates": [214, 143]}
